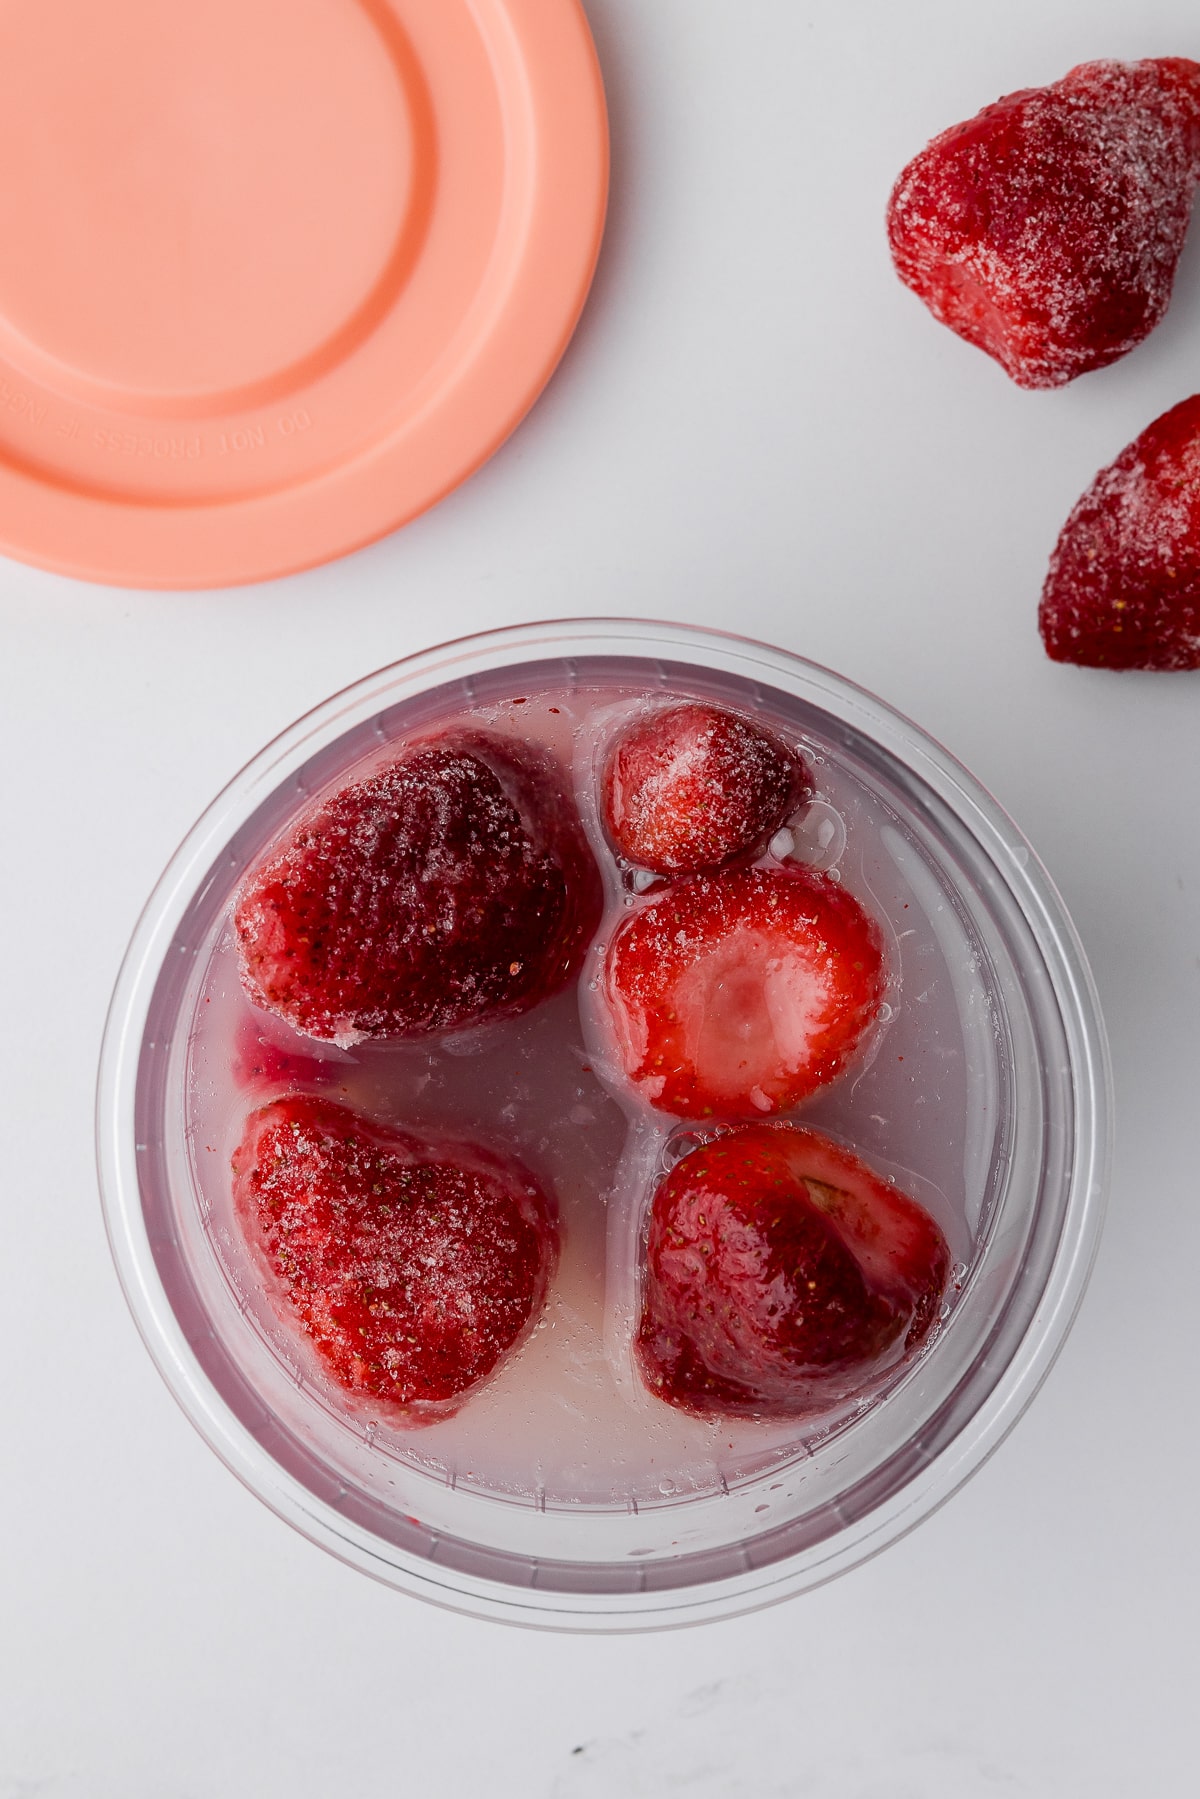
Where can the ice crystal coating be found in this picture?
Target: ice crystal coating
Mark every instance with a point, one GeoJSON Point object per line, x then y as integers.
{"type": "Point", "coordinates": [1047, 229]}
{"type": "Point", "coordinates": [450, 888]}
{"type": "Point", "coordinates": [413, 1266]}
{"type": "Point", "coordinates": [1123, 589]}
{"type": "Point", "coordinates": [696, 786]}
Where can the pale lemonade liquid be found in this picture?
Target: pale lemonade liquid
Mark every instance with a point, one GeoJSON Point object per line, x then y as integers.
{"type": "Point", "coordinates": [565, 1421]}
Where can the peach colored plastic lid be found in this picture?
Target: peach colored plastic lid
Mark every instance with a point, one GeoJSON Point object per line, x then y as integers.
{"type": "Point", "coordinates": [276, 275]}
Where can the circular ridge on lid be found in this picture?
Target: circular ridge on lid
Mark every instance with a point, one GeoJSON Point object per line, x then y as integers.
{"type": "Point", "coordinates": [277, 275]}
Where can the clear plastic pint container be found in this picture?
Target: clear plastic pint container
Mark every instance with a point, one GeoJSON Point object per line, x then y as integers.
{"type": "Point", "coordinates": [562, 1493]}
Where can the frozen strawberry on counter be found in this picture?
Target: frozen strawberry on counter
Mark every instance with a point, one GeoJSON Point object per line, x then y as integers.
{"type": "Point", "coordinates": [1046, 230]}
{"type": "Point", "coordinates": [1123, 589]}
{"type": "Point", "coordinates": [739, 994]}
{"type": "Point", "coordinates": [694, 786]}
{"type": "Point", "coordinates": [413, 1266]}
{"type": "Point", "coordinates": [781, 1275]}
{"type": "Point", "coordinates": [451, 888]}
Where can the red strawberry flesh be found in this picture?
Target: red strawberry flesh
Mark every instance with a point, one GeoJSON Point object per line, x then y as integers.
{"type": "Point", "coordinates": [414, 1267]}
{"type": "Point", "coordinates": [782, 1274]}
{"type": "Point", "coordinates": [1047, 229]}
{"type": "Point", "coordinates": [1123, 589]}
{"type": "Point", "coordinates": [740, 994]}
{"type": "Point", "coordinates": [695, 786]}
{"type": "Point", "coordinates": [451, 888]}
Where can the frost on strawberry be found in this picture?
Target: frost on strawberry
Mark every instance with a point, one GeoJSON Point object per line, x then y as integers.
{"type": "Point", "coordinates": [1047, 229]}
{"type": "Point", "coordinates": [413, 1266]}
{"type": "Point", "coordinates": [782, 1274]}
{"type": "Point", "coordinates": [1123, 589]}
{"type": "Point", "coordinates": [739, 994]}
{"type": "Point", "coordinates": [694, 786]}
{"type": "Point", "coordinates": [451, 888]}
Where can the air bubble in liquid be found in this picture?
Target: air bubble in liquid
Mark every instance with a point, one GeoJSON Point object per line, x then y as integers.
{"type": "Point", "coordinates": [819, 835]}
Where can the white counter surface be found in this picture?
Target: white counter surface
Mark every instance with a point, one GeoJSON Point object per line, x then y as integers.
{"type": "Point", "coordinates": [756, 427]}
